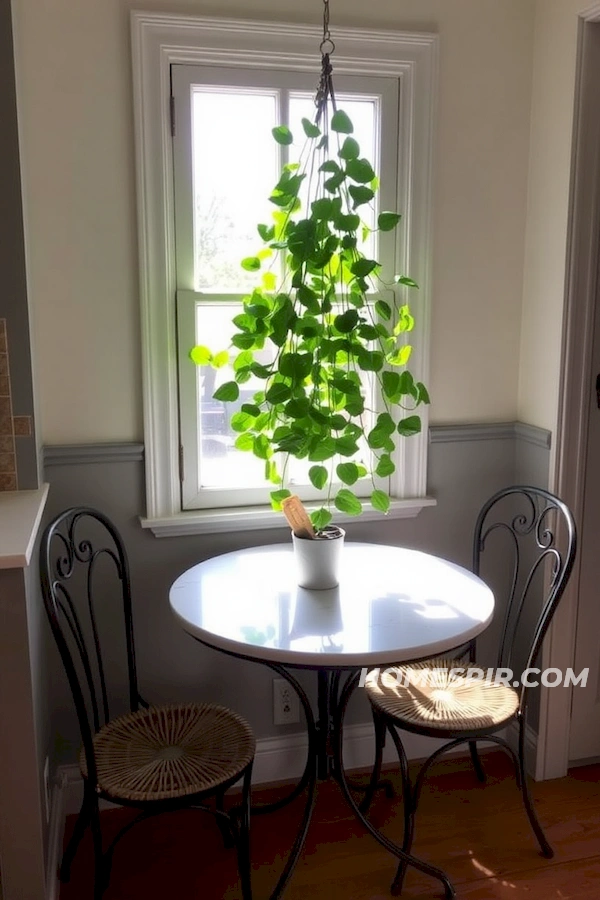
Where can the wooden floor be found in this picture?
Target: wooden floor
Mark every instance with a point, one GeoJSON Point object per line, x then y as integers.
{"type": "Point", "coordinates": [478, 834]}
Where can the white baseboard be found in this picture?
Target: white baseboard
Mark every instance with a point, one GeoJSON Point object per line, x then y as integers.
{"type": "Point", "coordinates": [277, 759]}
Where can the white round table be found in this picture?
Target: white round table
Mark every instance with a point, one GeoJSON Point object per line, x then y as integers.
{"type": "Point", "coordinates": [392, 605]}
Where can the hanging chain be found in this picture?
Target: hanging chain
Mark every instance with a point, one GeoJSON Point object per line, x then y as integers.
{"type": "Point", "coordinates": [327, 47]}
{"type": "Point", "coordinates": [326, 42]}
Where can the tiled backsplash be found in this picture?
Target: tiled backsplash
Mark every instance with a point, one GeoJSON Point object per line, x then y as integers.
{"type": "Point", "coordinates": [11, 427]}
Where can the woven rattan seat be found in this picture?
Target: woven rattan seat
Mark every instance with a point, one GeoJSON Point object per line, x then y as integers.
{"type": "Point", "coordinates": [442, 698]}
{"type": "Point", "coordinates": [166, 752]}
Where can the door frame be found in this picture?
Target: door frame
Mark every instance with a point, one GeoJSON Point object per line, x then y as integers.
{"type": "Point", "coordinates": [582, 261]}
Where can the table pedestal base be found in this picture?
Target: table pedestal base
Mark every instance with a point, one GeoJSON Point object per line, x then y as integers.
{"type": "Point", "coordinates": [325, 760]}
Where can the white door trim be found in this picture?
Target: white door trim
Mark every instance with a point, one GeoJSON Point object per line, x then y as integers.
{"type": "Point", "coordinates": [569, 468]}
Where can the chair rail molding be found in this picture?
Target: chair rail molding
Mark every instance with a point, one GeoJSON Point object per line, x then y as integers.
{"type": "Point", "coordinates": [133, 451]}
{"type": "Point", "coordinates": [85, 454]}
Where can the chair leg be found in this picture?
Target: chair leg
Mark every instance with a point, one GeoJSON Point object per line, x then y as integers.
{"type": "Point", "coordinates": [409, 812]}
{"type": "Point", "coordinates": [100, 873]}
{"type": "Point", "coordinates": [243, 839]}
{"type": "Point", "coordinates": [222, 822]}
{"type": "Point", "coordinates": [380, 728]}
{"type": "Point", "coordinates": [545, 847]}
{"type": "Point", "coordinates": [83, 820]}
{"type": "Point", "coordinates": [475, 759]}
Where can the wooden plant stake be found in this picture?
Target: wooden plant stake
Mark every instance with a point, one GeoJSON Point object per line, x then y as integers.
{"type": "Point", "coordinates": [297, 517]}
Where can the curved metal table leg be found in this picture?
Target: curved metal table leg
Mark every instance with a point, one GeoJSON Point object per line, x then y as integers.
{"type": "Point", "coordinates": [389, 845]}
{"type": "Point", "coordinates": [324, 694]}
{"type": "Point", "coordinates": [312, 741]}
{"type": "Point", "coordinates": [376, 783]}
{"type": "Point", "coordinates": [308, 780]}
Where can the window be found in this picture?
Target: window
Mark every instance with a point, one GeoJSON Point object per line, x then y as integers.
{"type": "Point", "coordinates": [192, 107]}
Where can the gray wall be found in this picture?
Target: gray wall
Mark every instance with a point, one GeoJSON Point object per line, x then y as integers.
{"type": "Point", "coordinates": [466, 465]}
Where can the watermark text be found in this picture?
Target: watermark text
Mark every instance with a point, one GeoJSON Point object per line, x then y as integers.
{"type": "Point", "coordinates": [432, 677]}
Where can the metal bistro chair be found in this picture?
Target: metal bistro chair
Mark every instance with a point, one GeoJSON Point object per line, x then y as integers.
{"type": "Point", "coordinates": [154, 759]}
{"type": "Point", "coordinates": [532, 524]}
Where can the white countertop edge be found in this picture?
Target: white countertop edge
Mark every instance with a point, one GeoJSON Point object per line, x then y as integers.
{"type": "Point", "coordinates": [251, 518]}
{"type": "Point", "coordinates": [20, 516]}
{"type": "Point", "coordinates": [255, 653]}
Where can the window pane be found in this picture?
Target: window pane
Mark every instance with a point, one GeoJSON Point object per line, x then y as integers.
{"type": "Point", "coordinates": [220, 464]}
{"type": "Point", "coordinates": [235, 166]}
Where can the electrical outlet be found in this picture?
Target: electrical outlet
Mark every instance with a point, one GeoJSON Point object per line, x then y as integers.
{"type": "Point", "coordinates": [286, 703]}
{"type": "Point", "coordinates": [47, 787]}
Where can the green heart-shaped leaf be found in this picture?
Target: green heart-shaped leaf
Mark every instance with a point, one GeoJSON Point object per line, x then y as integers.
{"type": "Point", "coordinates": [360, 170]}
{"type": "Point", "coordinates": [383, 310]}
{"type": "Point", "coordinates": [244, 442]}
{"type": "Point", "coordinates": [320, 518]}
{"type": "Point", "coordinates": [348, 503]}
{"type": "Point", "coordinates": [360, 194]}
{"type": "Point", "coordinates": [363, 267]}
{"type": "Point", "coordinates": [346, 321]}
{"type": "Point", "coordinates": [387, 221]}
{"type": "Point", "coordinates": [282, 134]}
{"type": "Point", "coordinates": [262, 447]}
{"type": "Point", "coordinates": [385, 466]}
{"type": "Point", "coordinates": [349, 149]}
{"type": "Point", "coordinates": [241, 421]}
{"type": "Point", "coordinates": [322, 449]}
{"type": "Point", "coordinates": [409, 426]}
{"type": "Point", "coordinates": [310, 129]}
{"type": "Point", "coordinates": [341, 122]}
{"type": "Point", "coordinates": [277, 497]}
{"type": "Point", "coordinates": [250, 263]}
{"type": "Point", "coordinates": [318, 476]}
{"type": "Point", "coordinates": [404, 279]}
{"type": "Point", "coordinates": [380, 501]}
{"type": "Point", "coordinates": [228, 392]}
{"type": "Point", "coordinates": [391, 384]}
{"type": "Point", "coordinates": [278, 393]}
{"type": "Point", "coordinates": [347, 472]}
{"type": "Point", "coordinates": [201, 356]}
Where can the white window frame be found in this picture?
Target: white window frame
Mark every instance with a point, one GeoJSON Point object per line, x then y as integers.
{"type": "Point", "coordinates": [160, 40]}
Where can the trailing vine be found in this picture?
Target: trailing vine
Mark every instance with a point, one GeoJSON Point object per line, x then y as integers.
{"type": "Point", "coordinates": [325, 329]}
{"type": "Point", "coordinates": [325, 324]}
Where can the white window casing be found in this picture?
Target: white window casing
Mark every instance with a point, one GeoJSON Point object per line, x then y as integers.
{"type": "Point", "coordinates": [161, 41]}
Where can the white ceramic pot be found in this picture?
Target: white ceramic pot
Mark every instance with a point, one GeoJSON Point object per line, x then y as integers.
{"type": "Point", "coordinates": [318, 560]}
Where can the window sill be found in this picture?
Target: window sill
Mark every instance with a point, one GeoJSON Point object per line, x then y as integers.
{"type": "Point", "coordinates": [253, 518]}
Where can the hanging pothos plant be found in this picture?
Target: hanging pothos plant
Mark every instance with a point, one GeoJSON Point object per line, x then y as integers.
{"type": "Point", "coordinates": [325, 327]}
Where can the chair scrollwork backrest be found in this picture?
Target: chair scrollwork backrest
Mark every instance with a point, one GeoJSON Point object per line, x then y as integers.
{"type": "Point", "coordinates": [83, 560]}
{"type": "Point", "coordinates": [539, 540]}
